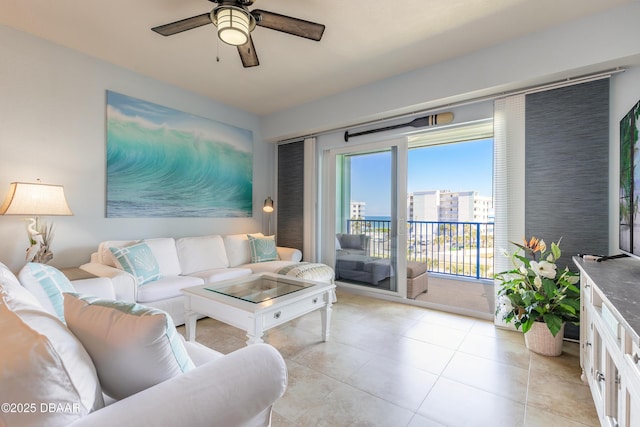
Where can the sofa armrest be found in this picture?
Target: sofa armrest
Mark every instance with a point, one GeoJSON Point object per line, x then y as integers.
{"type": "Point", "coordinates": [100, 287]}
{"type": "Point", "coordinates": [124, 284]}
{"type": "Point", "coordinates": [238, 389]}
{"type": "Point", "coordinates": [289, 254]}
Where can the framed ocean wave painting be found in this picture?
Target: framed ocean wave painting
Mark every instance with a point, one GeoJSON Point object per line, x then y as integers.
{"type": "Point", "coordinates": [165, 163]}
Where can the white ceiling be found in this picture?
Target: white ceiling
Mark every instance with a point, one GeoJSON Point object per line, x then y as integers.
{"type": "Point", "coordinates": [364, 41]}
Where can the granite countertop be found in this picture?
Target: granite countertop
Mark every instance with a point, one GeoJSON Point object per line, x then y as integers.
{"type": "Point", "coordinates": [619, 282]}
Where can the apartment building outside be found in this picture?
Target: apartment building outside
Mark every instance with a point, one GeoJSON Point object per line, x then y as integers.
{"type": "Point", "coordinates": [450, 206]}
{"type": "Point", "coordinates": [357, 210]}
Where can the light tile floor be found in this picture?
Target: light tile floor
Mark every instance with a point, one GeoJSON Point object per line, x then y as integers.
{"type": "Point", "coordinates": [392, 364]}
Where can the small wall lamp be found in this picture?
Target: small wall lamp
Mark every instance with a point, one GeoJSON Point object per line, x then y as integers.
{"type": "Point", "coordinates": [268, 208]}
{"type": "Point", "coordinates": [268, 205]}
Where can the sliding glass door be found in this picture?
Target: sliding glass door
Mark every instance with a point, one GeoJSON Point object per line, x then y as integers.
{"type": "Point", "coordinates": [369, 220]}
{"type": "Point", "coordinates": [421, 202]}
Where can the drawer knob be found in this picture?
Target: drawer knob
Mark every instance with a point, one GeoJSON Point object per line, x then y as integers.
{"type": "Point", "coordinates": [315, 300]}
{"type": "Point", "coordinates": [636, 358]}
{"type": "Point", "coordinates": [277, 314]}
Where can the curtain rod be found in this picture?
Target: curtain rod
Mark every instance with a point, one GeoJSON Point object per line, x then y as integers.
{"type": "Point", "coordinates": [569, 81]}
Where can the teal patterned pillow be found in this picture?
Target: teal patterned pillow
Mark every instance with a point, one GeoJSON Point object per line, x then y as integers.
{"type": "Point", "coordinates": [139, 261]}
{"type": "Point", "coordinates": [47, 284]}
{"type": "Point", "coordinates": [263, 249]}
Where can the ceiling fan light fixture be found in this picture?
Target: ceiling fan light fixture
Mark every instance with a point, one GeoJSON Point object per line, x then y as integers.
{"type": "Point", "coordinates": [234, 24]}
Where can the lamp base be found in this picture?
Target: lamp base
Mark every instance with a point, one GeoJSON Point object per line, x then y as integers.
{"type": "Point", "coordinates": [40, 235]}
{"type": "Point", "coordinates": [39, 254]}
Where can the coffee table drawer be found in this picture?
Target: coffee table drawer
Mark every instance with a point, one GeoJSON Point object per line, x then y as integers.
{"type": "Point", "coordinates": [291, 311]}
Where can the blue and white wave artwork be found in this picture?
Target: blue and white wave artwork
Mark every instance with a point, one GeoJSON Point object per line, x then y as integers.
{"type": "Point", "coordinates": [166, 163]}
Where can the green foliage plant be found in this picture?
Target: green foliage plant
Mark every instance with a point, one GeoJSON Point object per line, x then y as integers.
{"type": "Point", "coordinates": [535, 291]}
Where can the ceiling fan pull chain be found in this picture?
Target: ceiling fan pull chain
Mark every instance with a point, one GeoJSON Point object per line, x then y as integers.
{"type": "Point", "coordinates": [217, 49]}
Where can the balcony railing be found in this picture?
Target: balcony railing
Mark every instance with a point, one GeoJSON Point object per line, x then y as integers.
{"type": "Point", "coordinates": [455, 248]}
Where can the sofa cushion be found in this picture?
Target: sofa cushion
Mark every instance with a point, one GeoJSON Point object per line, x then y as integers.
{"type": "Point", "coordinates": [47, 284]}
{"type": "Point", "coordinates": [7, 277]}
{"type": "Point", "coordinates": [42, 363]}
{"type": "Point", "coordinates": [12, 286]}
{"type": "Point", "coordinates": [201, 253]}
{"type": "Point", "coordinates": [166, 287]}
{"type": "Point", "coordinates": [219, 274]}
{"type": "Point", "coordinates": [104, 254]}
{"type": "Point", "coordinates": [164, 249]}
{"type": "Point", "coordinates": [237, 247]}
{"type": "Point", "coordinates": [268, 266]}
{"type": "Point", "coordinates": [139, 261]}
{"type": "Point", "coordinates": [414, 269]}
{"type": "Point", "coordinates": [133, 347]}
{"type": "Point", "coordinates": [262, 249]}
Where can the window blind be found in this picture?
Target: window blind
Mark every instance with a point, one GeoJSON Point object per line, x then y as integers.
{"type": "Point", "coordinates": [567, 170]}
{"type": "Point", "coordinates": [290, 199]}
{"type": "Point", "coordinates": [508, 178]}
{"type": "Point", "coordinates": [469, 131]}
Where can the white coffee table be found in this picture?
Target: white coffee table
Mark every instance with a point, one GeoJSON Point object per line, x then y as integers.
{"type": "Point", "coordinates": [257, 303]}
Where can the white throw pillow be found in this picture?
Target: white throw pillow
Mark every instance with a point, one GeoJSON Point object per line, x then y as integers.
{"type": "Point", "coordinates": [201, 253]}
{"type": "Point", "coordinates": [10, 283]}
{"type": "Point", "coordinates": [139, 261]}
{"type": "Point", "coordinates": [237, 247]}
{"type": "Point", "coordinates": [44, 366]}
{"type": "Point", "coordinates": [132, 346]}
{"type": "Point", "coordinates": [47, 284]}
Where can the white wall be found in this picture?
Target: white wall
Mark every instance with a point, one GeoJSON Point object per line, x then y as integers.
{"type": "Point", "coordinates": [52, 127]}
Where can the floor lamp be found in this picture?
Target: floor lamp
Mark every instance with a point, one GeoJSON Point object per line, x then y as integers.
{"type": "Point", "coordinates": [33, 200]}
{"type": "Point", "coordinates": [268, 209]}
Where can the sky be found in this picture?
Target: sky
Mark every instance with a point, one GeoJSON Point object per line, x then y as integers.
{"type": "Point", "coordinates": [463, 166]}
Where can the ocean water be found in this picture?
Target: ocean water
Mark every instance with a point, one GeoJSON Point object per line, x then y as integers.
{"type": "Point", "coordinates": [166, 172]}
{"type": "Point", "coordinates": [377, 218]}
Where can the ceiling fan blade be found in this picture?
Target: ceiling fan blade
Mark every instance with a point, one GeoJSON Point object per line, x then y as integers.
{"type": "Point", "coordinates": [248, 54]}
{"type": "Point", "coordinates": [183, 25]}
{"type": "Point", "coordinates": [289, 25]}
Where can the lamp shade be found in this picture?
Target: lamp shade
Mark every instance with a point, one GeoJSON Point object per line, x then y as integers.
{"type": "Point", "coordinates": [35, 199]}
{"type": "Point", "coordinates": [268, 205]}
{"type": "Point", "coordinates": [234, 25]}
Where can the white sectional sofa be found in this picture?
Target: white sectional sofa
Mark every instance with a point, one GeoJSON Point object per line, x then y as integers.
{"type": "Point", "coordinates": [184, 262]}
{"type": "Point", "coordinates": [72, 368]}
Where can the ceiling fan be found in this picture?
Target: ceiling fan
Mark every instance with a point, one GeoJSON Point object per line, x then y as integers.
{"type": "Point", "coordinates": [235, 23]}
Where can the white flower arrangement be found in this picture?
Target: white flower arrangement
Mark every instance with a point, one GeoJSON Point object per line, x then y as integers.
{"type": "Point", "coordinates": [534, 290]}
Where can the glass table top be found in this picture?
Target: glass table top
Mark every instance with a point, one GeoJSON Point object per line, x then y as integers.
{"type": "Point", "coordinates": [260, 289]}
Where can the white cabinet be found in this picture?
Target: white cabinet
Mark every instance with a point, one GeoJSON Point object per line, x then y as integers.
{"type": "Point", "coordinates": [609, 342]}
